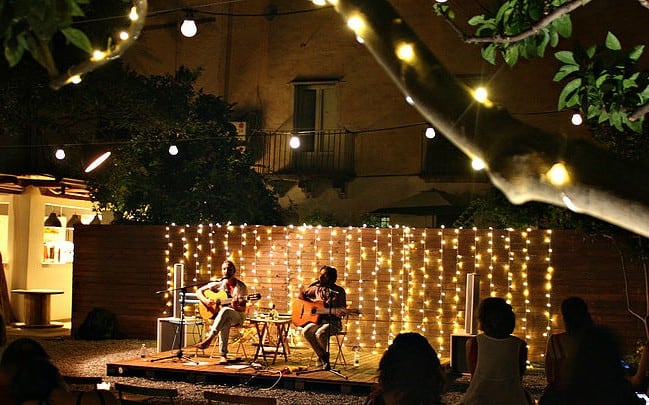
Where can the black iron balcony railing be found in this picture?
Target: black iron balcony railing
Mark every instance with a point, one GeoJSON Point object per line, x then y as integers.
{"type": "Point", "coordinates": [320, 153]}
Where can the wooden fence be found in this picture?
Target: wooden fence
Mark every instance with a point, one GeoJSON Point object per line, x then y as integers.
{"type": "Point", "coordinates": [400, 278]}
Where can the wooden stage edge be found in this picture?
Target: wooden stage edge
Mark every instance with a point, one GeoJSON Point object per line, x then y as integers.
{"type": "Point", "coordinates": [197, 367]}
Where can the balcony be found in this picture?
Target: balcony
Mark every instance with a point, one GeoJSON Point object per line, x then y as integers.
{"type": "Point", "coordinates": [327, 153]}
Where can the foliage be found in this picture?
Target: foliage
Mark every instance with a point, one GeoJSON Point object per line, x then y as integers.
{"type": "Point", "coordinates": [511, 18]}
{"type": "Point", "coordinates": [137, 117]}
{"type": "Point", "coordinates": [603, 84]}
{"type": "Point", "coordinates": [29, 26]}
{"type": "Point", "coordinates": [494, 210]}
{"type": "Point", "coordinates": [318, 217]}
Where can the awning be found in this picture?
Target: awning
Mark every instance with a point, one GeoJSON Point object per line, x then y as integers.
{"type": "Point", "coordinates": [48, 185]}
{"type": "Point", "coordinates": [429, 202]}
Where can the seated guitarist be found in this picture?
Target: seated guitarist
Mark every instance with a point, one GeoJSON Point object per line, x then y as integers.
{"type": "Point", "coordinates": [225, 316]}
{"type": "Point", "coordinates": [332, 296]}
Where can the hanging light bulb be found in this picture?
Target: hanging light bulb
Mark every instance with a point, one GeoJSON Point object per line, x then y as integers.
{"type": "Point", "coordinates": [173, 150]}
{"type": "Point", "coordinates": [576, 119]}
{"type": "Point", "coordinates": [430, 133]}
{"type": "Point", "coordinates": [188, 28]}
{"type": "Point", "coordinates": [60, 153]}
{"type": "Point", "coordinates": [294, 142]}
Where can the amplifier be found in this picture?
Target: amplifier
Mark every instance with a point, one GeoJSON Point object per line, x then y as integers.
{"type": "Point", "coordinates": [169, 332]}
{"type": "Point", "coordinates": [458, 353]}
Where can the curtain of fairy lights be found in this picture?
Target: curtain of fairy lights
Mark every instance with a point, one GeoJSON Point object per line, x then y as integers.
{"type": "Point", "coordinates": [399, 278]}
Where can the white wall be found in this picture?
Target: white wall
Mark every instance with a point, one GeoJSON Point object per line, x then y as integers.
{"type": "Point", "coordinates": [25, 267]}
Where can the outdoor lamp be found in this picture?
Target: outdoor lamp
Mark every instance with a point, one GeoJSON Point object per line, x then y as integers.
{"type": "Point", "coordinates": [52, 220]}
{"type": "Point", "coordinates": [173, 150]}
{"type": "Point", "coordinates": [294, 142]}
{"type": "Point", "coordinates": [59, 153]}
{"type": "Point", "coordinates": [74, 220]}
{"type": "Point", "coordinates": [188, 28]}
{"type": "Point", "coordinates": [95, 163]}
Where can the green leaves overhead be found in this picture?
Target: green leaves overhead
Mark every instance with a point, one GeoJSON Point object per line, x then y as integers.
{"type": "Point", "coordinates": [602, 83]}
{"type": "Point", "coordinates": [514, 17]}
{"type": "Point", "coordinates": [31, 26]}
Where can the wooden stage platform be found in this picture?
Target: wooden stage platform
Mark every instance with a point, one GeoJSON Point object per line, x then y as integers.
{"type": "Point", "coordinates": [297, 372]}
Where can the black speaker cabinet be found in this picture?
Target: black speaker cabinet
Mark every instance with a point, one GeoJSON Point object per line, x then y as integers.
{"type": "Point", "coordinates": [458, 353]}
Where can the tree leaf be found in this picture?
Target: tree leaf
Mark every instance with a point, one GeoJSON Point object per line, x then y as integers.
{"type": "Point", "coordinates": [564, 71]}
{"type": "Point", "coordinates": [612, 42]}
{"type": "Point", "coordinates": [568, 92]}
{"type": "Point", "coordinates": [635, 126]}
{"type": "Point", "coordinates": [593, 111]}
{"type": "Point", "coordinates": [545, 40]}
{"type": "Point", "coordinates": [13, 52]}
{"type": "Point", "coordinates": [566, 57]}
{"type": "Point", "coordinates": [644, 95]}
{"type": "Point", "coordinates": [511, 55]}
{"type": "Point", "coordinates": [75, 10]}
{"type": "Point", "coordinates": [615, 118]}
{"type": "Point", "coordinates": [554, 38]}
{"type": "Point", "coordinates": [636, 52]}
{"type": "Point", "coordinates": [590, 52]}
{"type": "Point", "coordinates": [601, 79]}
{"type": "Point", "coordinates": [563, 25]}
{"type": "Point", "coordinates": [78, 39]}
{"type": "Point", "coordinates": [475, 20]}
{"type": "Point", "coordinates": [603, 117]}
{"type": "Point", "coordinates": [489, 53]}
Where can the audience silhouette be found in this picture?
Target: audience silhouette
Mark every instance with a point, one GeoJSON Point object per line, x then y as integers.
{"type": "Point", "coordinates": [409, 373]}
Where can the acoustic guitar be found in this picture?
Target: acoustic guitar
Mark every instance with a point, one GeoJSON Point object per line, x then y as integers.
{"type": "Point", "coordinates": [304, 311]}
{"type": "Point", "coordinates": [221, 298]}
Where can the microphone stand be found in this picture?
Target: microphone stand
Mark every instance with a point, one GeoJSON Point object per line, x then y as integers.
{"type": "Point", "coordinates": [181, 328]}
{"type": "Point", "coordinates": [327, 366]}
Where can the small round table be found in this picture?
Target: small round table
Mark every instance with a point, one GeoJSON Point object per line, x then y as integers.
{"type": "Point", "coordinates": [37, 308]}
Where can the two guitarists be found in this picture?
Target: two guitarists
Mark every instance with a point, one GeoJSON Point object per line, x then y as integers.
{"type": "Point", "coordinates": [333, 296]}
{"type": "Point", "coordinates": [224, 316]}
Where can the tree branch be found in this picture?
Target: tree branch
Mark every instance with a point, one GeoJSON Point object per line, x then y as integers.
{"type": "Point", "coordinates": [518, 156]}
{"type": "Point", "coordinates": [533, 30]}
{"type": "Point", "coordinates": [640, 112]}
{"type": "Point", "coordinates": [140, 7]}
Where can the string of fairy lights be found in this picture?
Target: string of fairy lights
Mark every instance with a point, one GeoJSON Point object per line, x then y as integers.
{"type": "Point", "coordinates": [386, 272]}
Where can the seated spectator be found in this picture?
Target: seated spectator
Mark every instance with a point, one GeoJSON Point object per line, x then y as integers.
{"type": "Point", "coordinates": [409, 373]}
{"type": "Point", "coordinates": [38, 381]}
{"type": "Point", "coordinates": [639, 377]}
{"type": "Point", "coordinates": [14, 354]}
{"type": "Point", "coordinates": [562, 347]}
{"type": "Point", "coordinates": [27, 376]}
{"type": "Point", "coordinates": [496, 359]}
{"type": "Point", "coordinates": [597, 376]}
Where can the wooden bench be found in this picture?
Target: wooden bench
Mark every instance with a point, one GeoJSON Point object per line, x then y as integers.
{"type": "Point", "coordinates": [137, 394]}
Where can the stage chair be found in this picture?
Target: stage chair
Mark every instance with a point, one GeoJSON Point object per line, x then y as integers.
{"type": "Point", "coordinates": [136, 394]}
{"type": "Point", "coordinates": [222, 398]}
{"type": "Point", "coordinates": [339, 340]}
{"type": "Point", "coordinates": [239, 335]}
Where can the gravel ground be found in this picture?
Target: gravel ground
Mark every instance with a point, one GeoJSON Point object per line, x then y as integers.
{"type": "Point", "coordinates": [89, 358]}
